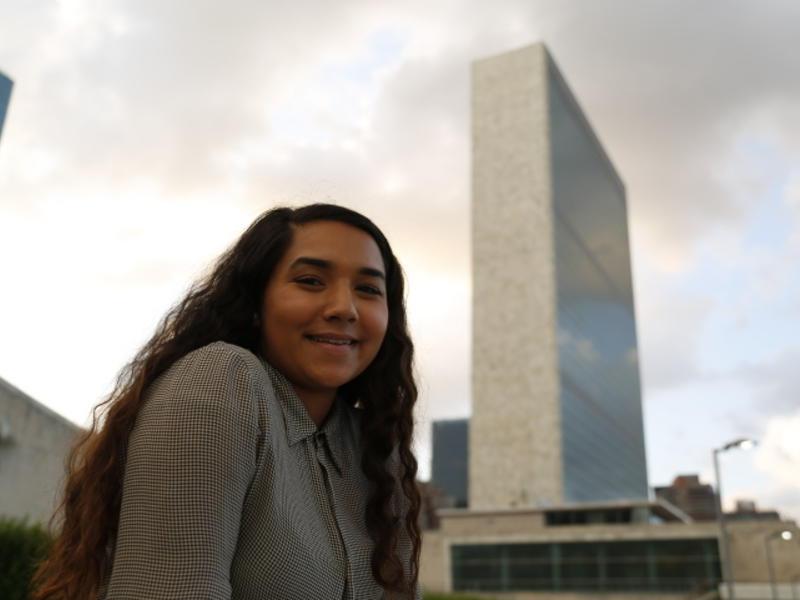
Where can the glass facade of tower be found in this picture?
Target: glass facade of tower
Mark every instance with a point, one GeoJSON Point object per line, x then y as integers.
{"type": "Point", "coordinates": [450, 456]}
{"type": "Point", "coordinates": [602, 432]}
{"type": "Point", "coordinates": [5, 96]}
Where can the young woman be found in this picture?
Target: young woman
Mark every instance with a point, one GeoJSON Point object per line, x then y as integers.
{"type": "Point", "coordinates": [259, 445]}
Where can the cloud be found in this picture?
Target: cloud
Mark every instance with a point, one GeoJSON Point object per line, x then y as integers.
{"type": "Point", "coordinates": [776, 384]}
{"type": "Point", "coordinates": [669, 87]}
{"type": "Point", "coordinates": [670, 327]}
{"type": "Point", "coordinates": [149, 88]}
{"type": "Point", "coordinates": [778, 456]}
{"type": "Point", "coordinates": [148, 91]}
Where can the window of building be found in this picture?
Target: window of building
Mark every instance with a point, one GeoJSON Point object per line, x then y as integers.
{"type": "Point", "coordinates": [651, 565]}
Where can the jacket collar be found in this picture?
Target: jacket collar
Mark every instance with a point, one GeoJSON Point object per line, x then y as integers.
{"type": "Point", "coordinates": [300, 426]}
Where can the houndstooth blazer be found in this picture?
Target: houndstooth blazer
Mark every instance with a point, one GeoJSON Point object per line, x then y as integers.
{"type": "Point", "coordinates": [232, 492]}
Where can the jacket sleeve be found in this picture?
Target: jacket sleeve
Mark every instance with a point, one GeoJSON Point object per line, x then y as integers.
{"type": "Point", "coordinates": [190, 460]}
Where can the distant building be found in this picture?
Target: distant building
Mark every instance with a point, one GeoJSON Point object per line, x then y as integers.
{"type": "Point", "coordinates": [613, 551]}
{"type": "Point", "coordinates": [696, 499]}
{"type": "Point", "coordinates": [34, 442]}
{"type": "Point", "coordinates": [746, 510]}
{"type": "Point", "coordinates": [432, 499]}
{"type": "Point", "coordinates": [450, 460]}
{"type": "Point", "coordinates": [556, 406]}
{"type": "Point", "coordinates": [5, 96]}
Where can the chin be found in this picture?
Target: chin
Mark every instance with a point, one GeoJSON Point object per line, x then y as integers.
{"type": "Point", "coordinates": [334, 378]}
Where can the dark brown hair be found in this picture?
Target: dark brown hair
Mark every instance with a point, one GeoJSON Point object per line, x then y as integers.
{"type": "Point", "coordinates": [220, 307]}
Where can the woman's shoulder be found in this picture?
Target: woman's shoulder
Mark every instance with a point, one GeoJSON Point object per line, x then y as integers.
{"type": "Point", "coordinates": [223, 353]}
{"type": "Point", "coordinates": [217, 361]}
{"type": "Point", "coordinates": [217, 373]}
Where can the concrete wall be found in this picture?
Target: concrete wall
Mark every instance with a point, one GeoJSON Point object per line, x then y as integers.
{"type": "Point", "coordinates": [749, 553]}
{"type": "Point", "coordinates": [515, 443]}
{"type": "Point", "coordinates": [434, 563]}
{"type": "Point", "coordinates": [529, 525]}
{"type": "Point", "coordinates": [32, 453]}
{"type": "Point", "coordinates": [764, 591]}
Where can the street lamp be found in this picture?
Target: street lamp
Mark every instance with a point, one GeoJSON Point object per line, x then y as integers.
{"type": "Point", "coordinates": [785, 535]}
{"type": "Point", "coordinates": [725, 556]}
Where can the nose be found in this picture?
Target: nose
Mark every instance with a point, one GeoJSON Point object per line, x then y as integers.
{"type": "Point", "coordinates": [341, 304]}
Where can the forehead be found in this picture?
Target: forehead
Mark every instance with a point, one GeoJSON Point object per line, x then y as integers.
{"type": "Point", "coordinates": [339, 243]}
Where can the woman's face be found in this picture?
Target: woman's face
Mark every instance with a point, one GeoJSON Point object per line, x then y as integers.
{"type": "Point", "coordinates": [324, 313]}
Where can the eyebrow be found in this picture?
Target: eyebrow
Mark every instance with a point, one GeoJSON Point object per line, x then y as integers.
{"type": "Point", "coordinates": [328, 265]}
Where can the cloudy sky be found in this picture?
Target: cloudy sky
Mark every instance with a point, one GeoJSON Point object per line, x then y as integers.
{"type": "Point", "coordinates": [143, 136]}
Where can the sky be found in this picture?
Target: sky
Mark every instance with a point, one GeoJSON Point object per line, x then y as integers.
{"type": "Point", "coordinates": [144, 136]}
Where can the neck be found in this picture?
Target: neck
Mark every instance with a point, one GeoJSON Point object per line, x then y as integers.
{"type": "Point", "coordinates": [318, 404]}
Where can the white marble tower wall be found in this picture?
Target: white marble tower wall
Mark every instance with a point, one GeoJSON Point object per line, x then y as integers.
{"type": "Point", "coordinates": [515, 443]}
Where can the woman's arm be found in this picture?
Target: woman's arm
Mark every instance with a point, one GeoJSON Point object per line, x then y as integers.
{"type": "Point", "coordinates": [190, 460]}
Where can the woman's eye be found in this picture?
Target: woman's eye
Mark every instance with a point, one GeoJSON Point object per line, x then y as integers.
{"type": "Point", "coordinates": [313, 281]}
{"type": "Point", "coordinates": [370, 289]}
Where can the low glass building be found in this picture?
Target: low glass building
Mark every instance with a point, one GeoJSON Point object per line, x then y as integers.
{"type": "Point", "coordinates": [669, 565]}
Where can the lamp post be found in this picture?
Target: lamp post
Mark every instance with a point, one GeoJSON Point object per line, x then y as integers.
{"type": "Point", "coordinates": [725, 556]}
{"type": "Point", "coordinates": [785, 535]}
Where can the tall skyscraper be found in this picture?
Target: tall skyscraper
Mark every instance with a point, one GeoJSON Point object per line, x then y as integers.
{"type": "Point", "coordinates": [450, 459]}
{"type": "Point", "coordinates": [557, 412]}
{"type": "Point", "coordinates": [5, 95]}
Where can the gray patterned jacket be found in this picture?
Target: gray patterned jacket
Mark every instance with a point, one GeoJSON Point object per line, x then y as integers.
{"type": "Point", "coordinates": [231, 491]}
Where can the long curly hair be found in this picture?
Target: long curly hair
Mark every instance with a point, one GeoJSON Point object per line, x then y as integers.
{"type": "Point", "coordinates": [220, 307]}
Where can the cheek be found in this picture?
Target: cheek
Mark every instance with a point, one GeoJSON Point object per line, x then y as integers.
{"type": "Point", "coordinates": [378, 323]}
{"type": "Point", "coordinates": [278, 326]}
{"type": "Point", "coordinates": [287, 310]}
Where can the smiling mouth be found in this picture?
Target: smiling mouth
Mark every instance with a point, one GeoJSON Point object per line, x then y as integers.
{"type": "Point", "coordinates": [321, 339]}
